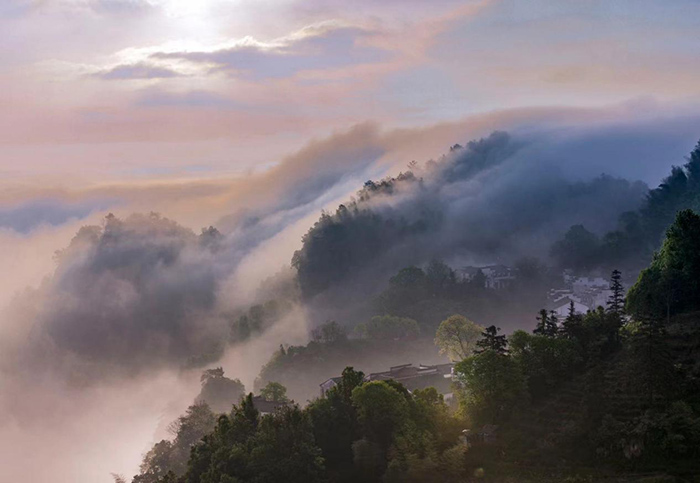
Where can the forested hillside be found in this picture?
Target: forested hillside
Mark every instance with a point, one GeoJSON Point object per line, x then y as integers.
{"type": "Point", "coordinates": [483, 201]}
{"type": "Point", "coordinates": [612, 393]}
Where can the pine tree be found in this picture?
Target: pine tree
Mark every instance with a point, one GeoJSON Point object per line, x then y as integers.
{"type": "Point", "coordinates": [572, 326]}
{"type": "Point", "coordinates": [553, 324]}
{"type": "Point", "coordinates": [492, 341]}
{"type": "Point", "coordinates": [542, 321]}
{"type": "Point", "coordinates": [616, 301]}
{"type": "Point", "coordinates": [547, 324]}
{"type": "Point", "coordinates": [572, 311]}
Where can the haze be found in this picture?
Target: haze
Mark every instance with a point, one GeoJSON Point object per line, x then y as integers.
{"type": "Point", "coordinates": [254, 116]}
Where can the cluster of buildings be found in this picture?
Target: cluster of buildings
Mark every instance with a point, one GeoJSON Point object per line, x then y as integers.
{"type": "Point", "coordinates": [412, 377]}
{"type": "Point", "coordinates": [586, 293]}
{"type": "Point", "coordinates": [497, 277]}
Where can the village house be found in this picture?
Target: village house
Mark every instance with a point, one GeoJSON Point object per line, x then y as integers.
{"type": "Point", "coordinates": [267, 407]}
{"type": "Point", "coordinates": [587, 293]}
{"type": "Point", "coordinates": [412, 377]}
{"type": "Point", "coordinates": [563, 305]}
{"type": "Point", "coordinates": [329, 384]}
{"type": "Point", "coordinates": [496, 277]}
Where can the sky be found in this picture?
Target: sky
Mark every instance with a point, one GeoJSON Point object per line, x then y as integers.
{"type": "Point", "coordinates": [255, 115]}
{"type": "Point", "coordinates": [97, 91]}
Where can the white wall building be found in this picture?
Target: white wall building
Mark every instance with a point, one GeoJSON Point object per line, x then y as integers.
{"type": "Point", "coordinates": [562, 307]}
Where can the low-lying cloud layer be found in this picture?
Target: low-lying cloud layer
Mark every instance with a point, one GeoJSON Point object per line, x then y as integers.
{"type": "Point", "coordinates": [493, 201]}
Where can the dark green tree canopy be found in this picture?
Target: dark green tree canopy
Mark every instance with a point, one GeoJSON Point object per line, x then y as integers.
{"type": "Point", "coordinates": [490, 340]}
{"type": "Point", "coordinates": [671, 284]}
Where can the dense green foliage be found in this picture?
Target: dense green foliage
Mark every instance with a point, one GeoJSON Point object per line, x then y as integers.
{"type": "Point", "coordinates": [339, 244]}
{"type": "Point", "coordinates": [361, 431]}
{"type": "Point", "coordinates": [274, 391]}
{"type": "Point", "coordinates": [432, 294]}
{"type": "Point", "coordinates": [247, 447]}
{"type": "Point", "coordinates": [493, 387]}
{"type": "Point", "coordinates": [617, 387]}
{"type": "Point", "coordinates": [598, 389]}
{"type": "Point", "coordinates": [671, 284]}
{"type": "Point", "coordinates": [491, 340]}
{"type": "Point", "coordinates": [457, 337]}
{"type": "Point", "coordinates": [545, 361]}
{"type": "Point", "coordinates": [601, 389]}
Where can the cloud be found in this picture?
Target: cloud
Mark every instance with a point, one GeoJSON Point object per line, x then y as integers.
{"type": "Point", "coordinates": [319, 47]}
{"type": "Point", "coordinates": [15, 8]}
{"type": "Point", "coordinates": [27, 216]}
{"type": "Point", "coordinates": [107, 7]}
{"type": "Point", "coordinates": [133, 294]}
{"type": "Point", "coordinates": [140, 70]}
{"type": "Point", "coordinates": [141, 293]}
{"type": "Point", "coordinates": [134, 297]}
{"type": "Point", "coordinates": [192, 99]}
{"type": "Point", "coordinates": [494, 201]}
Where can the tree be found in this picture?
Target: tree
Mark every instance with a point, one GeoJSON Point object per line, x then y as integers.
{"type": "Point", "coordinates": [220, 392]}
{"type": "Point", "coordinates": [492, 387]}
{"type": "Point", "coordinates": [171, 456]}
{"type": "Point", "coordinates": [335, 426]}
{"type": "Point", "coordinates": [247, 448]}
{"type": "Point", "coordinates": [572, 327]}
{"type": "Point", "coordinates": [368, 459]}
{"type": "Point", "coordinates": [490, 340]}
{"type": "Point", "coordinates": [456, 337]}
{"type": "Point", "coordinates": [544, 361]}
{"type": "Point", "coordinates": [189, 428]}
{"type": "Point", "coordinates": [601, 331]}
{"type": "Point", "coordinates": [388, 327]}
{"type": "Point", "coordinates": [405, 288]}
{"type": "Point", "coordinates": [547, 324]}
{"type": "Point", "coordinates": [156, 463]}
{"type": "Point", "coordinates": [274, 391]}
{"type": "Point", "coordinates": [257, 318]}
{"type": "Point", "coordinates": [211, 238]}
{"type": "Point", "coordinates": [223, 454]}
{"type": "Point", "coordinates": [579, 249]}
{"type": "Point", "coordinates": [671, 283]}
{"type": "Point", "coordinates": [616, 301]}
{"type": "Point", "coordinates": [654, 362]}
{"type": "Point", "coordinates": [381, 410]}
{"type": "Point", "coordinates": [553, 328]}
{"type": "Point", "coordinates": [283, 449]}
{"type": "Point", "coordinates": [211, 374]}
{"type": "Point", "coordinates": [440, 278]}
{"type": "Point", "coordinates": [329, 333]}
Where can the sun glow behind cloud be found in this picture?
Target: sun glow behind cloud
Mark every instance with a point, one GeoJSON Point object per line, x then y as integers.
{"type": "Point", "coordinates": [87, 74]}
